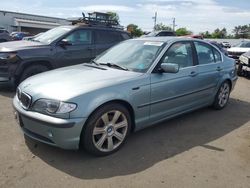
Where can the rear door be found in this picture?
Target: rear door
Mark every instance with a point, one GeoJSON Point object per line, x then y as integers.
{"type": "Point", "coordinates": [209, 68]}
{"type": "Point", "coordinates": [81, 49]}
{"type": "Point", "coordinates": [105, 39]}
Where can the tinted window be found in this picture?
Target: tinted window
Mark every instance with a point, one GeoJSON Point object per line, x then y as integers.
{"type": "Point", "coordinates": [125, 36]}
{"type": "Point", "coordinates": [107, 37]}
{"type": "Point", "coordinates": [80, 37]}
{"type": "Point", "coordinates": [179, 53]}
{"type": "Point", "coordinates": [166, 34]}
{"type": "Point", "coordinates": [217, 55]}
{"type": "Point", "coordinates": [204, 52]}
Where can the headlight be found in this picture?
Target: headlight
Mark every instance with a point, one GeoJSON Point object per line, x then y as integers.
{"type": "Point", "coordinates": [5, 56]}
{"type": "Point", "coordinates": [53, 107]}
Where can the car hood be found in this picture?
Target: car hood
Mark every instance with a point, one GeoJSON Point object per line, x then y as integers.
{"type": "Point", "coordinates": [66, 83]}
{"type": "Point", "coordinates": [238, 49]}
{"type": "Point", "coordinates": [18, 45]}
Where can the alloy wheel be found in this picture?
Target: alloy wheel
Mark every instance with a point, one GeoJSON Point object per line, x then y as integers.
{"type": "Point", "coordinates": [110, 131]}
{"type": "Point", "coordinates": [224, 94]}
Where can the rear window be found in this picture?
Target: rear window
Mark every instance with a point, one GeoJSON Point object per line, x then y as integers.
{"type": "Point", "coordinates": [107, 37]}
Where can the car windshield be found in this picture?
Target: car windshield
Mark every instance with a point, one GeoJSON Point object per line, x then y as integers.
{"type": "Point", "coordinates": [244, 44]}
{"type": "Point", "coordinates": [134, 55]}
{"type": "Point", "coordinates": [53, 34]}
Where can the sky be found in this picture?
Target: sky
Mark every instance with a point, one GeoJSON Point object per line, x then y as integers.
{"type": "Point", "coordinates": [195, 15]}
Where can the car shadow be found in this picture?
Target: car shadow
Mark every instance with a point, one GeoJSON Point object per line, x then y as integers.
{"type": "Point", "coordinates": [7, 91]}
{"type": "Point", "coordinates": [147, 147]}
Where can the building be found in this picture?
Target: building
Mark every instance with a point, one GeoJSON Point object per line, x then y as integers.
{"type": "Point", "coordinates": [15, 21]}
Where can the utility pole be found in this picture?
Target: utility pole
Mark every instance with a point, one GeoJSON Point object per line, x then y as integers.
{"type": "Point", "coordinates": [174, 25]}
{"type": "Point", "coordinates": [155, 19]}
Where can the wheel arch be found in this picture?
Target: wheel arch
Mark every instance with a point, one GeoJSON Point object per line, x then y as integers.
{"type": "Point", "coordinates": [24, 65]}
{"type": "Point", "coordinates": [124, 103]}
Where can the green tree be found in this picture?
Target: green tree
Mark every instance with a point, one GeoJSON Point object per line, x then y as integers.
{"type": "Point", "coordinates": [242, 31]}
{"type": "Point", "coordinates": [183, 31]}
{"type": "Point", "coordinates": [206, 34]}
{"type": "Point", "coordinates": [161, 26]}
{"type": "Point", "coordinates": [114, 16]}
{"type": "Point", "coordinates": [134, 30]}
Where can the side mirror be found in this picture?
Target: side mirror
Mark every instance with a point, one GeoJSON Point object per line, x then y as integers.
{"type": "Point", "coordinates": [65, 42]}
{"type": "Point", "coordinates": [170, 67]}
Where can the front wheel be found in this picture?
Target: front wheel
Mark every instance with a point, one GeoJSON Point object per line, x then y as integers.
{"type": "Point", "coordinates": [240, 70]}
{"type": "Point", "coordinates": [222, 96]}
{"type": "Point", "coordinates": [106, 130]}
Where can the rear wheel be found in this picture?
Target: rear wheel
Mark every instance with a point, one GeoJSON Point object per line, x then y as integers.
{"type": "Point", "coordinates": [32, 70]}
{"type": "Point", "coordinates": [106, 130]}
{"type": "Point", "coordinates": [222, 96]}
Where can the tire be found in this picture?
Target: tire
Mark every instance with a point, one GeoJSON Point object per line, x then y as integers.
{"type": "Point", "coordinates": [222, 96]}
{"type": "Point", "coordinates": [101, 136]}
{"type": "Point", "coordinates": [31, 71]}
{"type": "Point", "coordinates": [240, 70]}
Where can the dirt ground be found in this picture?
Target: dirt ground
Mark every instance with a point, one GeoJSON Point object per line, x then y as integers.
{"type": "Point", "coordinates": [205, 148]}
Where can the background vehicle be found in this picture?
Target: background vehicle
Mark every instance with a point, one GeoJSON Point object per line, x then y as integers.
{"type": "Point", "coordinates": [4, 35]}
{"type": "Point", "coordinates": [59, 47]}
{"type": "Point", "coordinates": [226, 45]}
{"type": "Point", "coordinates": [160, 34]}
{"type": "Point", "coordinates": [133, 85]}
{"type": "Point", "coordinates": [236, 51]}
{"type": "Point", "coordinates": [244, 65]}
{"type": "Point", "coordinates": [220, 46]}
{"type": "Point", "coordinates": [20, 35]}
{"type": "Point", "coordinates": [32, 37]}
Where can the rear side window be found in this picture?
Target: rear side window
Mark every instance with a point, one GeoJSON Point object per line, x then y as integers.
{"type": "Point", "coordinates": [107, 37]}
{"type": "Point", "coordinates": [217, 55]}
{"type": "Point", "coordinates": [204, 52]}
{"type": "Point", "coordinates": [125, 36]}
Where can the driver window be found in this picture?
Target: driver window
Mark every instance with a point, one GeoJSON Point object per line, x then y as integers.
{"type": "Point", "coordinates": [179, 53]}
{"type": "Point", "coordinates": [79, 37]}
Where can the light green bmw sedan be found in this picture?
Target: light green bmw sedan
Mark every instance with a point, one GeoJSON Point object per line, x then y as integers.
{"type": "Point", "coordinates": [135, 84]}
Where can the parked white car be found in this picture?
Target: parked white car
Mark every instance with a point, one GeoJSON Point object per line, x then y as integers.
{"type": "Point", "coordinates": [236, 51]}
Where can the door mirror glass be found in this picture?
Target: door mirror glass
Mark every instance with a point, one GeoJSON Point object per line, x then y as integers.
{"type": "Point", "coordinates": [65, 42]}
{"type": "Point", "coordinates": [170, 67]}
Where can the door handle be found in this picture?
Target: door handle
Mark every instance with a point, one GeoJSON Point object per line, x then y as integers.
{"type": "Point", "coordinates": [193, 74]}
{"type": "Point", "coordinates": [219, 69]}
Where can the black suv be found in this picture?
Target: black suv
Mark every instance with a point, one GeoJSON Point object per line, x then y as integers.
{"type": "Point", "coordinates": [58, 47]}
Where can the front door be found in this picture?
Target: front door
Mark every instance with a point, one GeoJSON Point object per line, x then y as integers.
{"type": "Point", "coordinates": [79, 50]}
{"type": "Point", "coordinates": [172, 93]}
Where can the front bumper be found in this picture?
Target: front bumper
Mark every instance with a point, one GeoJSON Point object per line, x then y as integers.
{"type": "Point", "coordinates": [63, 133]}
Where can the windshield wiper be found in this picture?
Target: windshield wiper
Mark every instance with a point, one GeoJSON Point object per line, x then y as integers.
{"type": "Point", "coordinates": [115, 66]}
{"type": "Point", "coordinates": [93, 62]}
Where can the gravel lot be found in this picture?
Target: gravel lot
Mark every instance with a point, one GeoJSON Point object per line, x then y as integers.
{"type": "Point", "coordinates": [205, 148]}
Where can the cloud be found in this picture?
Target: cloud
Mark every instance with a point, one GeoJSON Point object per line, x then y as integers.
{"type": "Point", "coordinates": [115, 8]}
